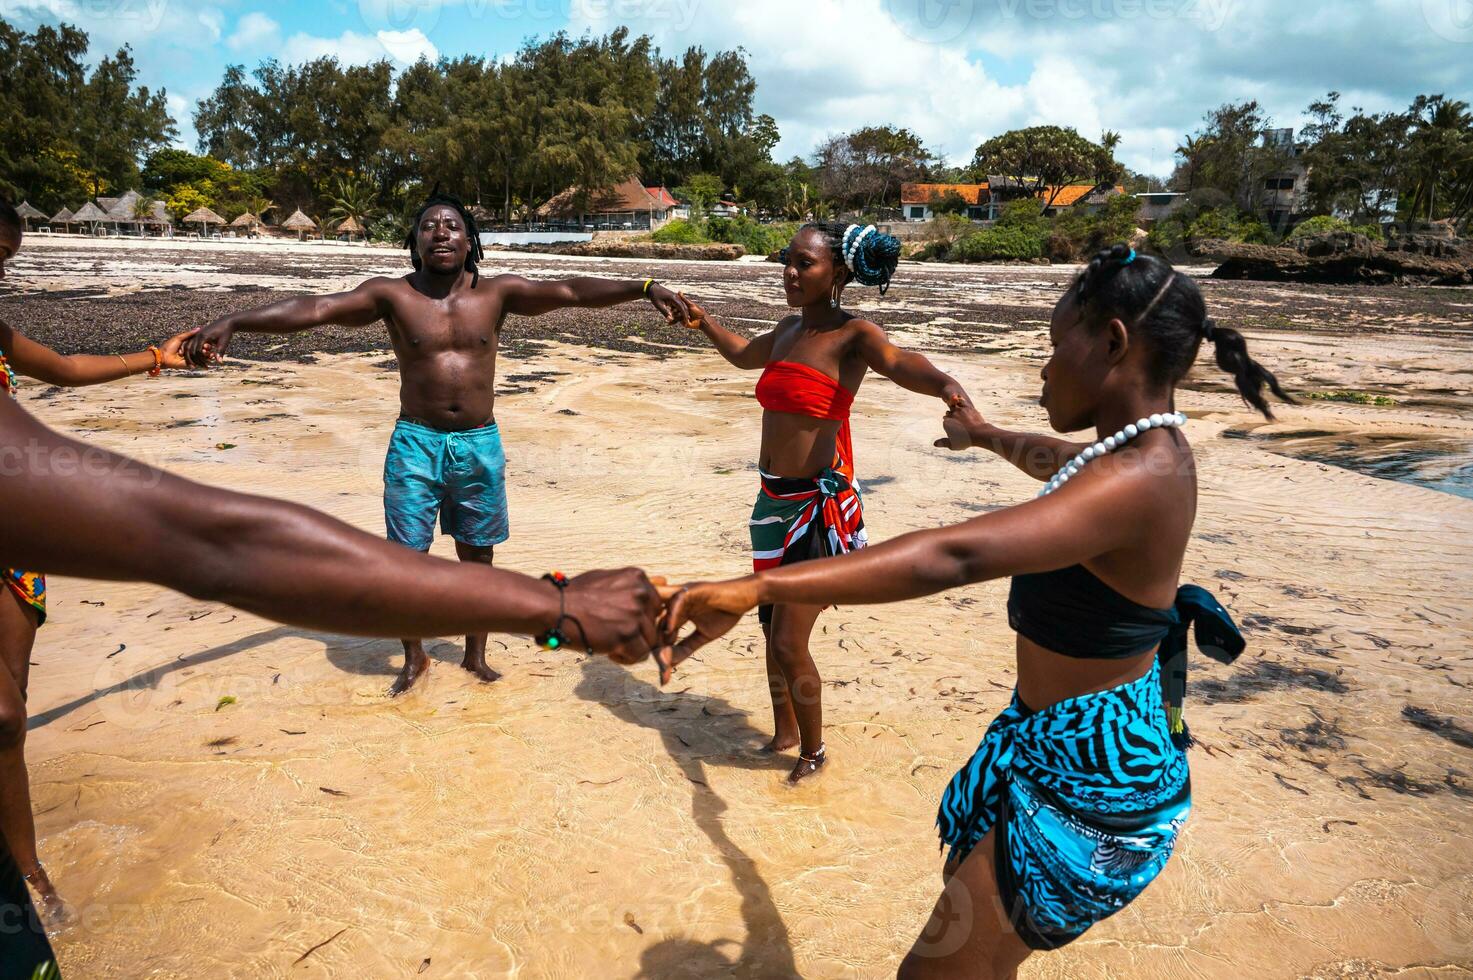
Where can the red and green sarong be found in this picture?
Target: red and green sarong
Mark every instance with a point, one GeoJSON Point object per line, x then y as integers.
{"type": "Point", "coordinates": [795, 518]}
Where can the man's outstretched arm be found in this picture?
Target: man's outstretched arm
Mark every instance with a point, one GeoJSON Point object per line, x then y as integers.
{"type": "Point", "coordinates": [531, 297]}
{"type": "Point", "coordinates": [356, 308]}
{"type": "Point", "coordinates": [79, 510]}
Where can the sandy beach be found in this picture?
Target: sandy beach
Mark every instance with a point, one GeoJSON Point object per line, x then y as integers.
{"type": "Point", "coordinates": [575, 820]}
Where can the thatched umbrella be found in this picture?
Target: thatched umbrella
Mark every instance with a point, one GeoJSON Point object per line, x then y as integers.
{"type": "Point", "coordinates": [203, 216]}
{"type": "Point", "coordinates": [299, 223]}
{"type": "Point", "coordinates": [28, 213]}
{"type": "Point", "coordinates": [247, 221]}
{"type": "Point", "coordinates": [159, 215]}
{"type": "Point", "coordinates": [91, 214]}
{"type": "Point", "coordinates": [63, 217]}
{"type": "Point", "coordinates": [351, 226]}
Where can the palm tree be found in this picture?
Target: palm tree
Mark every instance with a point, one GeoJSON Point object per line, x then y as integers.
{"type": "Point", "coordinates": [1192, 150]}
{"type": "Point", "coordinates": [143, 208]}
{"type": "Point", "coordinates": [1107, 170]}
{"type": "Point", "coordinates": [258, 205]}
{"type": "Point", "coordinates": [355, 198]}
{"type": "Point", "coordinates": [1440, 139]}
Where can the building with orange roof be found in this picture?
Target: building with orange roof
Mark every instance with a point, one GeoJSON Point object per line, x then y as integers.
{"type": "Point", "coordinates": [1090, 197]}
{"type": "Point", "coordinates": [918, 199]}
{"type": "Point", "coordinates": [984, 201]}
{"type": "Point", "coordinates": [627, 205]}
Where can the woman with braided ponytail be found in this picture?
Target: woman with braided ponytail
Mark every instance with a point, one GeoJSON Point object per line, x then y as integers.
{"type": "Point", "coordinates": [1072, 803]}
{"type": "Point", "coordinates": [809, 505]}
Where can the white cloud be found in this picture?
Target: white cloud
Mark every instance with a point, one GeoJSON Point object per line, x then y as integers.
{"type": "Point", "coordinates": [255, 32]}
{"type": "Point", "coordinates": [213, 22]}
{"type": "Point", "coordinates": [409, 46]}
{"type": "Point", "coordinates": [404, 47]}
{"type": "Point", "coordinates": [1146, 68]}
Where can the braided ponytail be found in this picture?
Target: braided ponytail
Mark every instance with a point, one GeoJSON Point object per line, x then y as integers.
{"type": "Point", "coordinates": [1231, 354]}
{"type": "Point", "coordinates": [1166, 309]}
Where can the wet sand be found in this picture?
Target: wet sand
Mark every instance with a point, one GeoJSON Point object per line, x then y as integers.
{"type": "Point", "coordinates": [575, 820]}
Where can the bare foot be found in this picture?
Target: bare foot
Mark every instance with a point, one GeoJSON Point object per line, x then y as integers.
{"type": "Point", "coordinates": [779, 743]}
{"type": "Point", "coordinates": [55, 914]}
{"type": "Point", "coordinates": [480, 668]}
{"type": "Point", "coordinates": [808, 765]}
{"type": "Point", "coordinates": [414, 667]}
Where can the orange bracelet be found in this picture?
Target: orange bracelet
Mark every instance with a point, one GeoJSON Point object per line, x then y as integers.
{"type": "Point", "coordinates": [158, 361]}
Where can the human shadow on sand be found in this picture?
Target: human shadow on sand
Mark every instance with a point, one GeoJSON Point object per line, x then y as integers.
{"type": "Point", "coordinates": [385, 657]}
{"type": "Point", "coordinates": [697, 731]}
{"type": "Point", "coordinates": [148, 680]}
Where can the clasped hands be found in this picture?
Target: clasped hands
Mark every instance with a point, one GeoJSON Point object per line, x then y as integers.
{"type": "Point", "coordinates": [713, 608]}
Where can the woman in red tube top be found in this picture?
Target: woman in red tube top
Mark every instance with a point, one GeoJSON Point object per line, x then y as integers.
{"type": "Point", "coordinates": [809, 503]}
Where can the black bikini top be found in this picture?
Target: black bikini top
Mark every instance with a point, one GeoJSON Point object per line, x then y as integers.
{"type": "Point", "coordinates": [1070, 611]}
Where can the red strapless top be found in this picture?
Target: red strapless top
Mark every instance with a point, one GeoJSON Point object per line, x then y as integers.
{"type": "Point", "coordinates": [801, 390]}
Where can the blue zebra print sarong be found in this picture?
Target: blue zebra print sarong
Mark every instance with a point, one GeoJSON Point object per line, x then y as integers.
{"type": "Point", "coordinates": [1087, 796]}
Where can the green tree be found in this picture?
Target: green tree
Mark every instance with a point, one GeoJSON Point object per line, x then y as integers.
{"type": "Point", "coordinates": [352, 197]}
{"type": "Point", "coordinates": [1441, 159]}
{"type": "Point", "coordinates": [864, 169]}
{"type": "Point", "coordinates": [1043, 159]}
{"type": "Point", "coordinates": [1192, 150]}
{"type": "Point", "coordinates": [949, 201]}
{"type": "Point", "coordinates": [71, 133]}
{"type": "Point", "coordinates": [119, 123]}
{"type": "Point", "coordinates": [1231, 154]}
{"type": "Point", "coordinates": [226, 122]}
{"type": "Point", "coordinates": [1356, 164]}
{"type": "Point", "coordinates": [701, 191]}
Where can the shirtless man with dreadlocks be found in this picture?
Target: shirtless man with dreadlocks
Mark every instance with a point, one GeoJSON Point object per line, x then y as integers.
{"type": "Point", "coordinates": [445, 456]}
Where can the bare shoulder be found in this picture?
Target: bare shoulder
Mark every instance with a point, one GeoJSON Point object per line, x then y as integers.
{"type": "Point", "coordinates": [384, 287]}
{"type": "Point", "coordinates": [1153, 475]}
{"type": "Point", "coordinates": [505, 282]}
{"type": "Point", "coordinates": [865, 334]}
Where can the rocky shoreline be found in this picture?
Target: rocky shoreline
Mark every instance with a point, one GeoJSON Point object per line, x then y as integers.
{"type": "Point", "coordinates": [1344, 257]}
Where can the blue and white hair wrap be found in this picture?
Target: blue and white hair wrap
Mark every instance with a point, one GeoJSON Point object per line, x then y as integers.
{"type": "Point", "coordinates": [869, 255]}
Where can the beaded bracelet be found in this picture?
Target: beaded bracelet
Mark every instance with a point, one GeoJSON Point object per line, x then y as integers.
{"type": "Point", "coordinates": [554, 638]}
{"type": "Point", "coordinates": [158, 361]}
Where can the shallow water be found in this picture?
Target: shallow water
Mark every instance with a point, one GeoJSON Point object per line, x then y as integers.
{"type": "Point", "coordinates": [1437, 463]}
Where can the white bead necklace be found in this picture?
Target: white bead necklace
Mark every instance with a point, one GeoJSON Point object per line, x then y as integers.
{"type": "Point", "coordinates": [1110, 444]}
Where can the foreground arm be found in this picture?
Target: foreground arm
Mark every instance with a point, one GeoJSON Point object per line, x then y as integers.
{"type": "Point", "coordinates": [359, 307]}
{"type": "Point", "coordinates": [907, 368]}
{"type": "Point", "coordinates": [1037, 455]}
{"type": "Point", "coordinates": [36, 360]}
{"type": "Point", "coordinates": [1099, 511]}
{"type": "Point", "coordinates": [749, 355]}
{"type": "Point", "coordinates": [533, 297]}
{"type": "Point", "coordinates": [79, 510]}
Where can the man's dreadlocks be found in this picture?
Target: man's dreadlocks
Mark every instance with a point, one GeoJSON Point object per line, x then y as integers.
{"type": "Point", "coordinates": [436, 199]}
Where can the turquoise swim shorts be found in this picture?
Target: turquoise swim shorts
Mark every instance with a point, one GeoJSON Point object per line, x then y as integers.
{"type": "Point", "coordinates": [459, 475]}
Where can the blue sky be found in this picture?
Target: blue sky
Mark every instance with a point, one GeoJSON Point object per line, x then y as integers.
{"type": "Point", "coordinates": [955, 71]}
